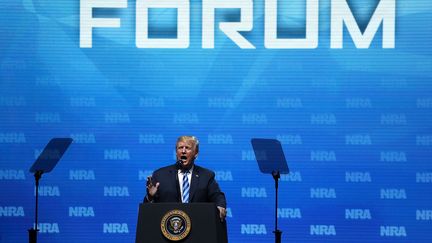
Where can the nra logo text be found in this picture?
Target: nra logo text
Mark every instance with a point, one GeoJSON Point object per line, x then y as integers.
{"type": "Point", "coordinates": [115, 228]}
{"type": "Point", "coordinates": [253, 229]}
{"type": "Point", "coordinates": [116, 154]}
{"type": "Point", "coordinates": [12, 175]}
{"type": "Point", "coordinates": [117, 117]}
{"type": "Point", "coordinates": [82, 101]}
{"type": "Point", "coordinates": [358, 139]}
{"type": "Point", "coordinates": [424, 102]}
{"type": "Point", "coordinates": [424, 140]}
{"type": "Point", "coordinates": [48, 191]}
{"type": "Point", "coordinates": [254, 118]}
{"type": "Point", "coordinates": [12, 137]}
{"type": "Point", "coordinates": [291, 213]}
{"type": "Point", "coordinates": [82, 175]}
{"type": "Point", "coordinates": [287, 103]}
{"type": "Point", "coordinates": [393, 231]}
{"type": "Point", "coordinates": [185, 118]}
{"type": "Point", "coordinates": [393, 119]}
{"type": "Point", "coordinates": [13, 64]}
{"type": "Point", "coordinates": [393, 193]}
{"type": "Point", "coordinates": [116, 191]}
{"type": "Point", "coordinates": [248, 155]}
{"type": "Point", "coordinates": [220, 139]}
{"type": "Point", "coordinates": [424, 215]}
{"type": "Point", "coordinates": [324, 230]}
{"type": "Point", "coordinates": [221, 102]}
{"type": "Point", "coordinates": [83, 137]}
{"type": "Point", "coordinates": [292, 176]}
{"type": "Point", "coordinates": [224, 175]}
{"type": "Point", "coordinates": [393, 156]}
{"type": "Point", "coordinates": [47, 117]}
{"type": "Point", "coordinates": [253, 192]}
{"type": "Point", "coordinates": [358, 176]}
{"type": "Point", "coordinates": [289, 139]}
{"type": "Point", "coordinates": [358, 103]}
{"type": "Point", "coordinates": [48, 228]}
{"type": "Point", "coordinates": [81, 212]}
{"type": "Point", "coordinates": [47, 80]}
{"type": "Point", "coordinates": [323, 119]}
{"type": "Point", "coordinates": [357, 213]}
{"type": "Point", "coordinates": [322, 193]}
{"type": "Point", "coordinates": [11, 211]}
{"type": "Point", "coordinates": [151, 139]}
{"type": "Point", "coordinates": [12, 101]}
{"type": "Point", "coordinates": [424, 177]}
{"type": "Point", "coordinates": [317, 155]}
{"type": "Point", "coordinates": [151, 102]}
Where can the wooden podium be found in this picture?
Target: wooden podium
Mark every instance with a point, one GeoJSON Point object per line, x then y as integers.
{"type": "Point", "coordinates": [157, 220]}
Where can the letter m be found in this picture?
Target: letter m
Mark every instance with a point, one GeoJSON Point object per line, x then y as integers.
{"type": "Point", "coordinates": [341, 13]}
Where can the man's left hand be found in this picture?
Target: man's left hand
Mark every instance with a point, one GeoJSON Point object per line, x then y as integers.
{"type": "Point", "coordinates": [222, 213]}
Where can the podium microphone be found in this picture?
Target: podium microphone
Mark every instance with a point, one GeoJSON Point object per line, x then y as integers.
{"type": "Point", "coordinates": [179, 164]}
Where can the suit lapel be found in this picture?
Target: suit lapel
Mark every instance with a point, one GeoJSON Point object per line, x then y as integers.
{"type": "Point", "coordinates": [175, 182]}
{"type": "Point", "coordinates": [194, 182]}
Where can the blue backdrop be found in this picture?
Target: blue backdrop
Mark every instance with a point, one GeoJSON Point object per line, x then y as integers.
{"type": "Point", "coordinates": [355, 124]}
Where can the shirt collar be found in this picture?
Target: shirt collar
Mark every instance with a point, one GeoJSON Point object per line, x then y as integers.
{"type": "Point", "coordinates": [180, 171]}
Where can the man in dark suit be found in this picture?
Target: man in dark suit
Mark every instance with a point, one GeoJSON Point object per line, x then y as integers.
{"type": "Point", "coordinates": [184, 181]}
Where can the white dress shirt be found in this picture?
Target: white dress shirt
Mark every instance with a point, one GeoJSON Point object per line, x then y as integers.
{"type": "Point", "coordinates": [180, 179]}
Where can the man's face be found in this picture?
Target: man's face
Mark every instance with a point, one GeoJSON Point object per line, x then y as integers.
{"type": "Point", "coordinates": [186, 152]}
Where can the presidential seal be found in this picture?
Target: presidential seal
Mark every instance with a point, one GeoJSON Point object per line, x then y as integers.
{"type": "Point", "coordinates": [175, 225]}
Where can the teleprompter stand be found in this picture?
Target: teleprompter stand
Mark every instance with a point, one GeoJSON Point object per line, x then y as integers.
{"type": "Point", "coordinates": [45, 163]}
{"type": "Point", "coordinates": [271, 160]}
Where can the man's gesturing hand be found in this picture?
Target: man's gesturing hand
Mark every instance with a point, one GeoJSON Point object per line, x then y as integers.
{"type": "Point", "coordinates": [151, 188]}
{"type": "Point", "coordinates": [222, 213]}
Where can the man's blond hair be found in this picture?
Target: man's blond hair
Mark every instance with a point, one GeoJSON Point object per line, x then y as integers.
{"type": "Point", "coordinates": [187, 138]}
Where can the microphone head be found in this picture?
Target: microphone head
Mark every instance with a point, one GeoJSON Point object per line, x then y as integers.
{"type": "Point", "coordinates": [179, 164]}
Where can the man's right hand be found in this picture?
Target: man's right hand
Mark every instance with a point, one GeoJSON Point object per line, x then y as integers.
{"type": "Point", "coordinates": [151, 188]}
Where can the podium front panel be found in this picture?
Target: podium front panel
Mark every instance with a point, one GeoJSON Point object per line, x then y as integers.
{"type": "Point", "coordinates": [205, 223]}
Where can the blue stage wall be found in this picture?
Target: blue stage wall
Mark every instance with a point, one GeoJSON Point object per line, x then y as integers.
{"type": "Point", "coordinates": [355, 123]}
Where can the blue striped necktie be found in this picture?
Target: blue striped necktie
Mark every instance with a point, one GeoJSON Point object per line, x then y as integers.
{"type": "Point", "coordinates": [185, 192]}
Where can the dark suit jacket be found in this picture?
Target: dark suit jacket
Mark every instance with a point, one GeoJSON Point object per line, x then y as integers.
{"type": "Point", "coordinates": [204, 187]}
